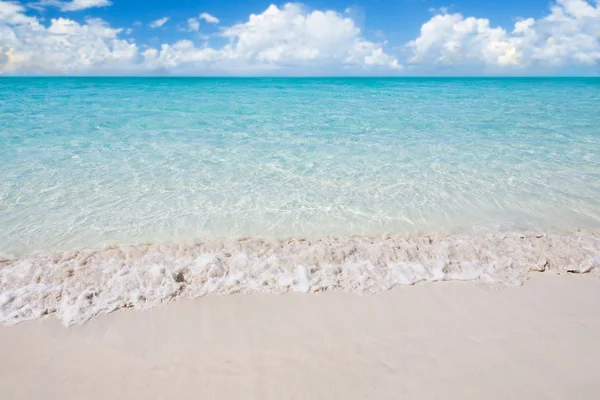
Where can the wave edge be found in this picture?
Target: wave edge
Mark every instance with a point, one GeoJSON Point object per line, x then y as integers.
{"type": "Point", "coordinates": [78, 285]}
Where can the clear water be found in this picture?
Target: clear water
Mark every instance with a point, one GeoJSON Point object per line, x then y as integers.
{"type": "Point", "coordinates": [90, 161]}
{"type": "Point", "coordinates": [91, 168]}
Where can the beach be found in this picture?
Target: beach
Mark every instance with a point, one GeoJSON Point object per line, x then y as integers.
{"type": "Point", "coordinates": [327, 200]}
{"type": "Point", "coordinates": [335, 238]}
{"type": "Point", "coordinates": [434, 341]}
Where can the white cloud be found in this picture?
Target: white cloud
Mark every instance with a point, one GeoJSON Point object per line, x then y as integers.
{"type": "Point", "coordinates": [568, 35]}
{"type": "Point", "coordinates": [73, 5]}
{"type": "Point", "coordinates": [159, 22]}
{"type": "Point", "coordinates": [292, 36]}
{"type": "Point", "coordinates": [64, 46]}
{"type": "Point", "coordinates": [289, 39]}
{"type": "Point", "coordinates": [296, 41]}
{"type": "Point", "coordinates": [77, 5]}
{"type": "Point", "coordinates": [209, 18]}
{"type": "Point", "coordinates": [12, 13]}
{"type": "Point", "coordinates": [193, 24]}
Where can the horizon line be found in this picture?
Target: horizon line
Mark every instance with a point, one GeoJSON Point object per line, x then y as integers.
{"type": "Point", "coordinates": [302, 76]}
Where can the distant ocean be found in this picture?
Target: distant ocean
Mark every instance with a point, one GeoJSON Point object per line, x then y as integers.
{"type": "Point", "coordinates": [130, 192]}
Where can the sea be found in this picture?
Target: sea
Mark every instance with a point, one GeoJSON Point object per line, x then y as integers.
{"type": "Point", "coordinates": [133, 192]}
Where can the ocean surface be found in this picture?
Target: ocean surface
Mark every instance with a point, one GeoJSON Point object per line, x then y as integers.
{"type": "Point", "coordinates": [256, 182]}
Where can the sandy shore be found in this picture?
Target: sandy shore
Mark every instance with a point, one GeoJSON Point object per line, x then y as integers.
{"type": "Point", "coordinates": [433, 341]}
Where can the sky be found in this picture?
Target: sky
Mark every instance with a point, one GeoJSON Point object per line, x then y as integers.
{"type": "Point", "coordinates": [319, 37]}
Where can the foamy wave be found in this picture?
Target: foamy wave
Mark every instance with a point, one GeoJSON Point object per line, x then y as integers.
{"type": "Point", "coordinates": [77, 285]}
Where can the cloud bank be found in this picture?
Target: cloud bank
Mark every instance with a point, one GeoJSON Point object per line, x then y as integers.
{"type": "Point", "coordinates": [286, 38]}
{"type": "Point", "coordinates": [568, 35]}
{"type": "Point", "coordinates": [293, 40]}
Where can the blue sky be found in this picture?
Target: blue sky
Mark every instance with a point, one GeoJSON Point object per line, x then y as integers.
{"type": "Point", "coordinates": [379, 37]}
{"type": "Point", "coordinates": [398, 20]}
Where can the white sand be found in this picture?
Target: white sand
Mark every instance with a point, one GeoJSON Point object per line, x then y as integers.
{"type": "Point", "coordinates": [433, 341]}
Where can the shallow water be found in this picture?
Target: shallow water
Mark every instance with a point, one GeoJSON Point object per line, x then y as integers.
{"type": "Point", "coordinates": [474, 179]}
{"type": "Point", "coordinates": [94, 161]}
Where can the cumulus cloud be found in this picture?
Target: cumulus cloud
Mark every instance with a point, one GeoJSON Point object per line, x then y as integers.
{"type": "Point", "coordinates": [568, 35]}
{"type": "Point", "coordinates": [292, 35]}
{"type": "Point", "coordinates": [64, 46]}
{"type": "Point", "coordinates": [12, 13]}
{"type": "Point", "coordinates": [286, 39]}
{"type": "Point", "coordinates": [159, 22]}
{"type": "Point", "coordinates": [209, 18]}
{"type": "Point", "coordinates": [294, 40]}
{"type": "Point", "coordinates": [193, 24]}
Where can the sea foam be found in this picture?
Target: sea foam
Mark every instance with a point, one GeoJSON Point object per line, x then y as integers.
{"type": "Point", "coordinates": [77, 285]}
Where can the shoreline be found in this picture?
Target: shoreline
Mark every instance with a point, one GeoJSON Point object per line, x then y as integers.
{"type": "Point", "coordinates": [448, 340]}
{"type": "Point", "coordinates": [78, 285]}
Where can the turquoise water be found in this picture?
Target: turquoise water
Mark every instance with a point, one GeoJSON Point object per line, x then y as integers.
{"type": "Point", "coordinates": [130, 193]}
{"type": "Point", "coordinates": [90, 161]}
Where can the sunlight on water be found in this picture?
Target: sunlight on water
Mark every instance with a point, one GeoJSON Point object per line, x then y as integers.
{"type": "Point", "coordinates": [85, 162]}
